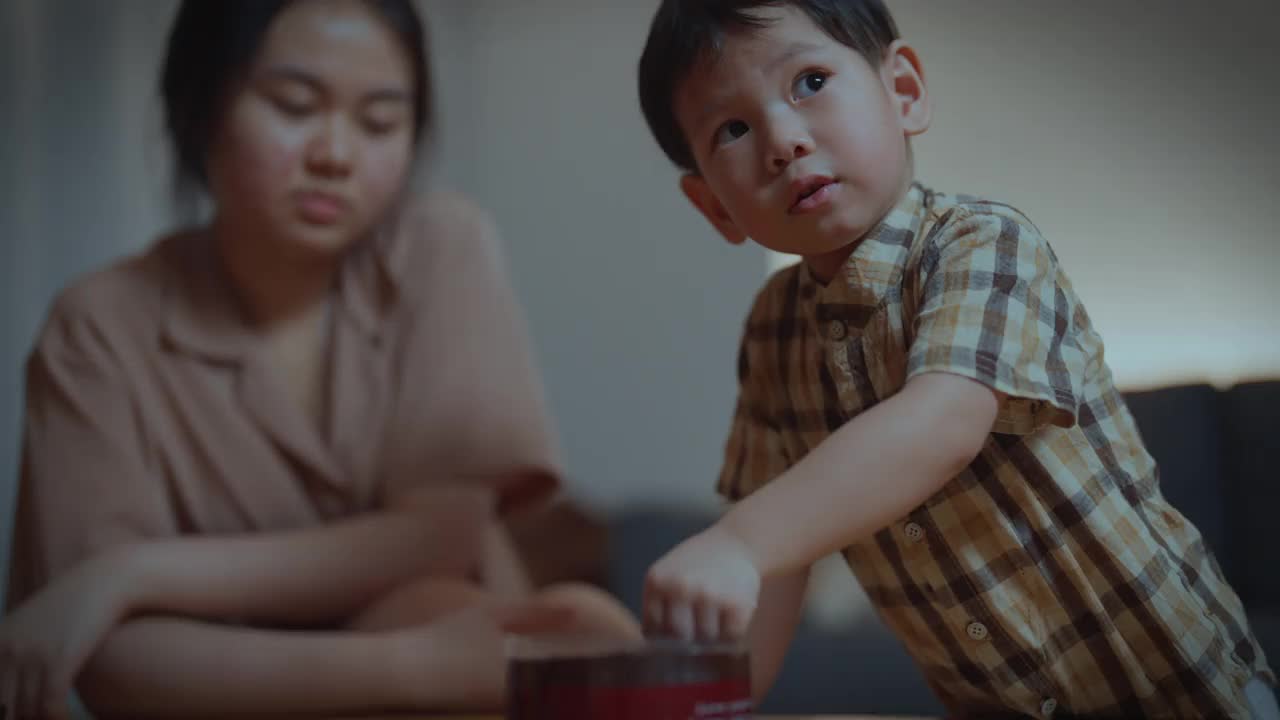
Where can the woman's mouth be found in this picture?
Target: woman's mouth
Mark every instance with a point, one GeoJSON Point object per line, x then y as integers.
{"type": "Point", "coordinates": [319, 208]}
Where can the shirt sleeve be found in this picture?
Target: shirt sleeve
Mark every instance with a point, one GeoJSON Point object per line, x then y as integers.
{"type": "Point", "coordinates": [84, 482]}
{"type": "Point", "coordinates": [754, 453]}
{"type": "Point", "coordinates": [471, 404]}
{"type": "Point", "coordinates": [996, 307]}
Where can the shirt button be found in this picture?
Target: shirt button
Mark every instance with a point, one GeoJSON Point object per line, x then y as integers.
{"type": "Point", "coordinates": [837, 331]}
{"type": "Point", "coordinates": [913, 531]}
{"type": "Point", "coordinates": [977, 631]}
{"type": "Point", "coordinates": [1048, 707]}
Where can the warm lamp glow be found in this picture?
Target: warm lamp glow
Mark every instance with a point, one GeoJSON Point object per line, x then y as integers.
{"type": "Point", "coordinates": [1147, 349]}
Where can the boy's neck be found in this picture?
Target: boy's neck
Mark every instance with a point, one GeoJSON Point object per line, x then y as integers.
{"type": "Point", "coordinates": [826, 266]}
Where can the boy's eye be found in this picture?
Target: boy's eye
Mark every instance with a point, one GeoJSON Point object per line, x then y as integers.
{"type": "Point", "coordinates": [730, 131]}
{"type": "Point", "coordinates": [808, 84]}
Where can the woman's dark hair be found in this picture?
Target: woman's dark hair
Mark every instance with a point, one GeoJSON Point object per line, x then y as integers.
{"type": "Point", "coordinates": [685, 32]}
{"type": "Point", "coordinates": [212, 44]}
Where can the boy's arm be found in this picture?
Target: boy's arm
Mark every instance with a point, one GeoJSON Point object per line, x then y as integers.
{"type": "Point", "coordinates": [774, 626]}
{"type": "Point", "coordinates": [867, 474]}
{"type": "Point", "coordinates": [870, 472]}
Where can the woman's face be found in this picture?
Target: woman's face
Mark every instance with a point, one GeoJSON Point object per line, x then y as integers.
{"type": "Point", "coordinates": [317, 140]}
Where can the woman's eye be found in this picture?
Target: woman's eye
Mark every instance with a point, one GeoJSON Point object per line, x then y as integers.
{"type": "Point", "coordinates": [808, 84]}
{"type": "Point", "coordinates": [293, 107]}
{"type": "Point", "coordinates": [730, 131]}
{"type": "Point", "coordinates": [379, 126]}
{"type": "Point", "coordinates": [382, 118]}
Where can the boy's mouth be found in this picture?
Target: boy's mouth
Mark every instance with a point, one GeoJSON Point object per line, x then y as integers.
{"type": "Point", "coordinates": [811, 192]}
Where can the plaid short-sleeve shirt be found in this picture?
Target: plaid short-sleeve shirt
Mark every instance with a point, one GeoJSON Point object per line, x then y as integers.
{"type": "Point", "coordinates": [1051, 576]}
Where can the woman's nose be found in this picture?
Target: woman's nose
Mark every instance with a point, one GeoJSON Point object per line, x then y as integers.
{"type": "Point", "coordinates": [330, 153]}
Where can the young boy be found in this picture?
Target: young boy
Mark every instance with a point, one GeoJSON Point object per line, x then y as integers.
{"type": "Point", "coordinates": [924, 392]}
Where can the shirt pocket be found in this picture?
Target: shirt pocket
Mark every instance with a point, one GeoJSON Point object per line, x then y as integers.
{"type": "Point", "coordinates": [869, 365]}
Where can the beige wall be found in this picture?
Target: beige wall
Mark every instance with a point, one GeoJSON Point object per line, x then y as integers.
{"type": "Point", "coordinates": [635, 308]}
{"type": "Point", "coordinates": [1140, 137]}
{"type": "Point", "coordinates": [1136, 134]}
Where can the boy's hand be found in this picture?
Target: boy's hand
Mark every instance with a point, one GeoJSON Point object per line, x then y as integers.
{"type": "Point", "coordinates": [705, 589]}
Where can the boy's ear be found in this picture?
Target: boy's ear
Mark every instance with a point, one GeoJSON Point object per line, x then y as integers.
{"type": "Point", "coordinates": [904, 79]}
{"type": "Point", "coordinates": [695, 188]}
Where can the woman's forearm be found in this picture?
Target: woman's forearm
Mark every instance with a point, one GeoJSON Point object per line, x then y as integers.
{"type": "Point", "coordinates": [501, 570]}
{"type": "Point", "coordinates": [314, 576]}
{"type": "Point", "coordinates": [153, 667]}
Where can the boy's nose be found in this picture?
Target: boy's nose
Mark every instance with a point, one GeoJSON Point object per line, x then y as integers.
{"type": "Point", "coordinates": [786, 147]}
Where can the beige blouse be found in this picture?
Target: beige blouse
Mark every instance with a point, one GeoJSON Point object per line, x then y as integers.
{"type": "Point", "coordinates": [151, 410]}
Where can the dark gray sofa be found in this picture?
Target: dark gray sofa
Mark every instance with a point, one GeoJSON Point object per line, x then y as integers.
{"type": "Point", "coordinates": [1219, 456]}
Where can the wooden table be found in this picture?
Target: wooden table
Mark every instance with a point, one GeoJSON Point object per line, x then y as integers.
{"type": "Point", "coordinates": [758, 717]}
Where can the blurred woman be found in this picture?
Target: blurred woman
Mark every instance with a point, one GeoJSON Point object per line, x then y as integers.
{"type": "Point", "coordinates": [265, 462]}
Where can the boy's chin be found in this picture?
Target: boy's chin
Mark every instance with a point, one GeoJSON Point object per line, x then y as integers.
{"type": "Point", "coordinates": [812, 248]}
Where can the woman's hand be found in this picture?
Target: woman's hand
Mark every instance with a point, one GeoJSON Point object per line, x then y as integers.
{"type": "Point", "coordinates": [48, 639]}
{"type": "Point", "coordinates": [459, 661]}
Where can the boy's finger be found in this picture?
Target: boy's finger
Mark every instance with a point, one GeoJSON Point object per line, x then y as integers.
{"type": "Point", "coordinates": [734, 623]}
{"type": "Point", "coordinates": [680, 620]}
{"type": "Point", "coordinates": [654, 619]}
{"type": "Point", "coordinates": [708, 615]}
{"type": "Point", "coordinates": [729, 630]}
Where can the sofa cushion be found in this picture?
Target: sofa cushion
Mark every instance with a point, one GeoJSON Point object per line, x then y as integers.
{"type": "Point", "coordinates": [1252, 424]}
{"type": "Point", "coordinates": [1181, 428]}
{"type": "Point", "coordinates": [1266, 627]}
{"type": "Point", "coordinates": [863, 670]}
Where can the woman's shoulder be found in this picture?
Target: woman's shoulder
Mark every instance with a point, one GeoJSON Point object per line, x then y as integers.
{"type": "Point", "coordinates": [117, 300]}
{"type": "Point", "coordinates": [443, 220]}
{"type": "Point", "coordinates": [443, 231]}
{"type": "Point", "coordinates": [445, 207]}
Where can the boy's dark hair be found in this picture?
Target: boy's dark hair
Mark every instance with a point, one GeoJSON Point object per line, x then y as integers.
{"type": "Point", "coordinates": [684, 32]}
{"type": "Point", "coordinates": [212, 44]}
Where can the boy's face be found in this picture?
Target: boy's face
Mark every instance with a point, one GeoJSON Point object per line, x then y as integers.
{"type": "Point", "coordinates": [800, 142]}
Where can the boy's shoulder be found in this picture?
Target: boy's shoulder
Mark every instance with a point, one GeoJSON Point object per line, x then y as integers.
{"type": "Point", "coordinates": [775, 300]}
{"type": "Point", "coordinates": [945, 211]}
{"type": "Point", "coordinates": [943, 217]}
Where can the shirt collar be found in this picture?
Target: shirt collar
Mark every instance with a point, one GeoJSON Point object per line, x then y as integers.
{"type": "Point", "coordinates": [875, 268]}
{"type": "Point", "coordinates": [205, 318]}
